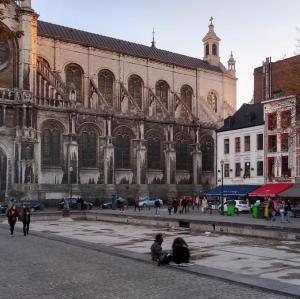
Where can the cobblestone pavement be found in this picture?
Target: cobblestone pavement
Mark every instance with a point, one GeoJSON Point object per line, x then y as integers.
{"type": "Point", "coordinates": [34, 267]}
{"type": "Point", "coordinates": [262, 258]}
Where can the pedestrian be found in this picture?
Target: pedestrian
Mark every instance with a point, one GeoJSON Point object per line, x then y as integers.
{"type": "Point", "coordinates": [12, 215]}
{"type": "Point", "coordinates": [271, 209]}
{"type": "Point", "coordinates": [281, 207]}
{"type": "Point", "coordinates": [170, 205]}
{"type": "Point", "coordinates": [25, 219]}
{"type": "Point", "coordinates": [136, 203]}
{"type": "Point", "coordinates": [180, 251]}
{"type": "Point", "coordinates": [175, 205]}
{"type": "Point", "coordinates": [204, 204]}
{"type": "Point", "coordinates": [288, 211]}
{"type": "Point", "coordinates": [157, 207]}
{"type": "Point", "coordinates": [184, 204]}
{"type": "Point", "coordinates": [197, 202]}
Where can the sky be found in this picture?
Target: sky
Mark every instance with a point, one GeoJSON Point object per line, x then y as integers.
{"type": "Point", "coordinates": [252, 30]}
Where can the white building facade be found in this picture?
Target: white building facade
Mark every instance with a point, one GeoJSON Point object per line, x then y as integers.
{"type": "Point", "coordinates": [240, 148]}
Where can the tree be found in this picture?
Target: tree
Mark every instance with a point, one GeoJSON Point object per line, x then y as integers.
{"type": "Point", "coordinates": [16, 194]}
{"type": "Point", "coordinates": [6, 33]}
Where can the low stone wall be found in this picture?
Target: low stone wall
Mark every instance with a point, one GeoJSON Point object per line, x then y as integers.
{"type": "Point", "coordinates": [195, 226]}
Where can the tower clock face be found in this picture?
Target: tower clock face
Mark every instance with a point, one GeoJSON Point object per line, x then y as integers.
{"type": "Point", "coordinates": [4, 52]}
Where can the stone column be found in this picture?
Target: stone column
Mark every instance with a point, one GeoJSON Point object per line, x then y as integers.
{"type": "Point", "coordinates": [170, 168]}
{"type": "Point", "coordinates": [108, 162]}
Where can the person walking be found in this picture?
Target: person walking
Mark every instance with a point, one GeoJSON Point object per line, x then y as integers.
{"type": "Point", "coordinates": [157, 207]}
{"type": "Point", "coordinates": [288, 211]}
{"type": "Point", "coordinates": [184, 204]}
{"type": "Point", "coordinates": [175, 205]}
{"type": "Point", "coordinates": [12, 215]}
{"type": "Point", "coordinates": [271, 209]}
{"type": "Point", "coordinates": [25, 216]}
{"type": "Point", "coordinates": [281, 207]}
{"type": "Point", "coordinates": [204, 204]}
{"type": "Point", "coordinates": [136, 203]}
{"type": "Point", "coordinates": [170, 205]}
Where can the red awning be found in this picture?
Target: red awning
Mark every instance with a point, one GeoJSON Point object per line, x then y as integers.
{"type": "Point", "coordinates": [270, 190]}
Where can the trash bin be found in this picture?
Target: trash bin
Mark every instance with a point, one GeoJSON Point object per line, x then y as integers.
{"type": "Point", "coordinates": [255, 211]}
{"type": "Point", "coordinates": [230, 210]}
{"type": "Point", "coordinates": [260, 212]}
{"type": "Point", "coordinates": [266, 212]}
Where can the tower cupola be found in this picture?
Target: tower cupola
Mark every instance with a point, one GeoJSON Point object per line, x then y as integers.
{"type": "Point", "coordinates": [211, 45]}
{"type": "Point", "coordinates": [231, 64]}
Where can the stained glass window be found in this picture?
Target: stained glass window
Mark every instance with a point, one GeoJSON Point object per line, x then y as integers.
{"type": "Point", "coordinates": [74, 79]}
{"type": "Point", "coordinates": [88, 148]}
{"type": "Point", "coordinates": [153, 152]}
{"type": "Point", "coordinates": [162, 92]}
{"type": "Point", "coordinates": [187, 95]}
{"type": "Point", "coordinates": [135, 89]}
{"type": "Point", "coordinates": [122, 149]}
{"type": "Point", "coordinates": [207, 149]}
{"type": "Point", "coordinates": [105, 84]}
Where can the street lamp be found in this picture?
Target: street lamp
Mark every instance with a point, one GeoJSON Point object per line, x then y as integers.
{"type": "Point", "coordinates": [70, 180]}
{"type": "Point", "coordinates": [222, 193]}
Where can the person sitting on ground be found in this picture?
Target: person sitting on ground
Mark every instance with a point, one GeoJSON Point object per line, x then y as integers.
{"type": "Point", "coordinates": [180, 251]}
{"type": "Point", "coordinates": [156, 248]}
{"type": "Point", "coordinates": [158, 255]}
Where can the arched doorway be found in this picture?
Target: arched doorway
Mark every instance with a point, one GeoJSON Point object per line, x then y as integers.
{"type": "Point", "coordinates": [3, 174]}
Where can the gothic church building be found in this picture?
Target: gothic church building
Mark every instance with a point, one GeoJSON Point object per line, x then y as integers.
{"type": "Point", "coordinates": [106, 116]}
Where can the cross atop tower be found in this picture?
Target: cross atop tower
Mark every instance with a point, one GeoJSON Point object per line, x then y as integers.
{"type": "Point", "coordinates": [153, 39]}
{"type": "Point", "coordinates": [211, 20]}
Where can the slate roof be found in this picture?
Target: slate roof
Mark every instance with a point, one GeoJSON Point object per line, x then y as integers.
{"type": "Point", "coordinates": [72, 35]}
{"type": "Point", "coordinates": [249, 115]}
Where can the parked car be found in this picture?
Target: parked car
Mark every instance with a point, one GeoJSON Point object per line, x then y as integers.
{"type": "Point", "coordinates": [3, 208]}
{"type": "Point", "coordinates": [296, 211]}
{"type": "Point", "coordinates": [34, 205]}
{"type": "Point", "coordinates": [241, 205]}
{"type": "Point", "coordinates": [147, 202]}
{"type": "Point", "coordinates": [76, 203]}
{"type": "Point", "coordinates": [109, 204]}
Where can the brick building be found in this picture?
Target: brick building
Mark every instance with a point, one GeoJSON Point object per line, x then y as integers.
{"type": "Point", "coordinates": [270, 79]}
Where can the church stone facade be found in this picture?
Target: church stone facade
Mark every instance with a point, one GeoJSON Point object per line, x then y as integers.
{"type": "Point", "coordinates": [97, 116]}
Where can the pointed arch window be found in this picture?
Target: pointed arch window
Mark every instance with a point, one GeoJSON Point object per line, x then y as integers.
{"type": "Point", "coordinates": [153, 152]}
{"type": "Point", "coordinates": [183, 156]}
{"type": "Point", "coordinates": [105, 83]}
{"type": "Point", "coordinates": [135, 89]}
{"type": "Point", "coordinates": [162, 91]}
{"type": "Point", "coordinates": [207, 149]}
{"type": "Point", "coordinates": [51, 146]}
{"type": "Point", "coordinates": [187, 95]}
{"type": "Point", "coordinates": [74, 81]}
{"type": "Point", "coordinates": [88, 148]}
{"type": "Point", "coordinates": [212, 100]}
{"type": "Point", "coordinates": [122, 149]}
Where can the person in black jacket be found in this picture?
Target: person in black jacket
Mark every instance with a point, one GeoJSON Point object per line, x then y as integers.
{"type": "Point", "coordinates": [180, 251]}
{"type": "Point", "coordinates": [25, 219]}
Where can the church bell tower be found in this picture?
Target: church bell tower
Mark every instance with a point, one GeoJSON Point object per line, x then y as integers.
{"type": "Point", "coordinates": [211, 45]}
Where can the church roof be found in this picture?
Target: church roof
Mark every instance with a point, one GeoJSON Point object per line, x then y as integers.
{"type": "Point", "coordinates": [112, 44]}
{"type": "Point", "coordinates": [249, 115]}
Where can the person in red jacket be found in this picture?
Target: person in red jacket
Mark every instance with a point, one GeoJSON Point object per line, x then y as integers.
{"type": "Point", "coordinates": [12, 215]}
